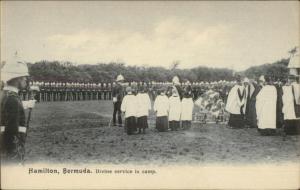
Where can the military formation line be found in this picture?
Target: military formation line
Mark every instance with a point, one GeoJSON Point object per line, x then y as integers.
{"type": "Point", "coordinates": [61, 91]}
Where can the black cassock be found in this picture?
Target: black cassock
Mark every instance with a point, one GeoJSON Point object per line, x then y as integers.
{"type": "Point", "coordinates": [250, 115]}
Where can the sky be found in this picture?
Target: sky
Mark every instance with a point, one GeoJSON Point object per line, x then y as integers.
{"type": "Point", "coordinates": [234, 35]}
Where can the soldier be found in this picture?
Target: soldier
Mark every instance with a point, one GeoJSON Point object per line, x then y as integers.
{"type": "Point", "coordinates": [117, 94]}
{"type": "Point", "coordinates": [13, 124]}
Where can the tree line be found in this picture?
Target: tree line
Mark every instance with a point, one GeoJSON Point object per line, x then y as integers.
{"type": "Point", "coordinates": [107, 72]}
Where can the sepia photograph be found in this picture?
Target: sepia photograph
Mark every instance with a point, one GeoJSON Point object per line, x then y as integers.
{"type": "Point", "coordinates": [150, 95]}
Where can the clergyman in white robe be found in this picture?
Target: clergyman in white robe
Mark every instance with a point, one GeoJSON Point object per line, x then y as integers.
{"type": "Point", "coordinates": [174, 112]}
{"type": "Point", "coordinates": [161, 107]}
{"type": "Point", "coordinates": [291, 119]}
{"type": "Point", "coordinates": [187, 105]}
{"type": "Point", "coordinates": [143, 106]}
{"type": "Point", "coordinates": [129, 107]}
{"type": "Point", "coordinates": [234, 104]}
{"type": "Point", "coordinates": [266, 107]}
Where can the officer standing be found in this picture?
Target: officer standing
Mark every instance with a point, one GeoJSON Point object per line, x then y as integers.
{"type": "Point", "coordinates": [117, 94]}
{"type": "Point", "coordinates": [13, 123]}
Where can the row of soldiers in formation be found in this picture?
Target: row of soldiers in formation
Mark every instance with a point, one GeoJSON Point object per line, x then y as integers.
{"type": "Point", "coordinates": [58, 91]}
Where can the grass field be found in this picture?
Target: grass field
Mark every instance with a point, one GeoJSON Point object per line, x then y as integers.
{"type": "Point", "coordinates": [79, 132]}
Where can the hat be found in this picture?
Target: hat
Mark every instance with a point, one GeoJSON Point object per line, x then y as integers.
{"type": "Point", "coordinates": [246, 80]}
{"type": "Point", "coordinates": [262, 78]}
{"type": "Point", "coordinates": [128, 89]}
{"type": "Point", "coordinates": [120, 78]}
{"type": "Point", "coordinates": [13, 69]}
{"type": "Point", "coordinates": [175, 80]}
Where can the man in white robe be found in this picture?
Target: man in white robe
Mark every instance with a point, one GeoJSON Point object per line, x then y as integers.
{"type": "Point", "coordinates": [174, 111]}
{"type": "Point", "coordinates": [143, 106]}
{"type": "Point", "coordinates": [234, 105]}
{"type": "Point", "coordinates": [290, 109]}
{"type": "Point", "coordinates": [266, 108]}
{"type": "Point", "coordinates": [187, 105]}
{"type": "Point", "coordinates": [129, 107]}
{"type": "Point", "coordinates": [161, 107]}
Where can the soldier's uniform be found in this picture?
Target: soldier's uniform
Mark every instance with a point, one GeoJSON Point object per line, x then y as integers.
{"type": "Point", "coordinates": [13, 130]}
{"type": "Point", "coordinates": [117, 94]}
{"type": "Point", "coordinates": [12, 113]}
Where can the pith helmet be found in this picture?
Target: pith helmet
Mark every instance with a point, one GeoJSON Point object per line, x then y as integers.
{"type": "Point", "coordinates": [13, 68]}
{"type": "Point", "coordinates": [120, 78]}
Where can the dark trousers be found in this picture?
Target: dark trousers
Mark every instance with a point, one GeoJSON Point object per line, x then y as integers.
{"type": "Point", "coordinates": [117, 111]}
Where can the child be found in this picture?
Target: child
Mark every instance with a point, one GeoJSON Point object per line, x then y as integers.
{"type": "Point", "coordinates": [129, 107]}
{"type": "Point", "coordinates": [161, 107]}
{"type": "Point", "coordinates": [175, 110]}
{"type": "Point", "coordinates": [143, 105]}
{"type": "Point", "coordinates": [187, 106]}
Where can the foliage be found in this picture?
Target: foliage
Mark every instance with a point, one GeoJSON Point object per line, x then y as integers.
{"type": "Point", "coordinates": [107, 72]}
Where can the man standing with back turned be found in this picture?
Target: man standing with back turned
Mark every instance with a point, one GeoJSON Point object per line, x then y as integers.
{"type": "Point", "coordinates": [117, 94]}
{"type": "Point", "coordinates": [13, 123]}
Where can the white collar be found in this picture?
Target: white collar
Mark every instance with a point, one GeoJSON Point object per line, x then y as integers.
{"type": "Point", "coordinates": [11, 88]}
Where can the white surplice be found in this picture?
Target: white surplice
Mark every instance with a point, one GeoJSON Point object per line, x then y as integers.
{"type": "Point", "coordinates": [266, 107]}
{"type": "Point", "coordinates": [161, 105]}
{"type": "Point", "coordinates": [174, 108]}
{"type": "Point", "coordinates": [288, 99]}
{"type": "Point", "coordinates": [143, 104]}
{"type": "Point", "coordinates": [234, 103]}
{"type": "Point", "coordinates": [187, 106]}
{"type": "Point", "coordinates": [129, 106]}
